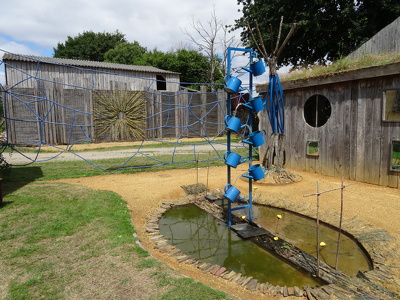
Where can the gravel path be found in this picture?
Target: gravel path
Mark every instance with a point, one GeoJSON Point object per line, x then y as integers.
{"type": "Point", "coordinates": [76, 154]}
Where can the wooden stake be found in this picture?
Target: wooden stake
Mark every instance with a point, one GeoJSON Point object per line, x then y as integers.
{"type": "Point", "coordinates": [340, 225]}
{"type": "Point", "coordinates": [208, 169]}
{"type": "Point", "coordinates": [317, 227]}
{"type": "Point", "coordinates": [197, 169]}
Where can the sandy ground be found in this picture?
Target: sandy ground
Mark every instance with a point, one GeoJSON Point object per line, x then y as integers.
{"type": "Point", "coordinates": [145, 192]}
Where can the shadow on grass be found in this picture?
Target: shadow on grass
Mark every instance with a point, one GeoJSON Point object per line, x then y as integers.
{"type": "Point", "coordinates": [17, 177]}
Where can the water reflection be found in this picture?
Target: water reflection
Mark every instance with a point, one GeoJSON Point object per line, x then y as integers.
{"type": "Point", "coordinates": [202, 237]}
{"type": "Point", "coordinates": [301, 232]}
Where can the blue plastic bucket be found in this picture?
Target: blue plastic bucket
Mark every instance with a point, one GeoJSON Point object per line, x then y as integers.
{"type": "Point", "coordinates": [233, 159]}
{"type": "Point", "coordinates": [257, 68]}
{"type": "Point", "coordinates": [231, 192]}
{"type": "Point", "coordinates": [257, 104]}
{"type": "Point", "coordinates": [233, 85]}
{"type": "Point", "coordinates": [233, 123]}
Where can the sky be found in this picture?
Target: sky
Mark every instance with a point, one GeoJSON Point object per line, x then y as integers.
{"type": "Point", "coordinates": [36, 27]}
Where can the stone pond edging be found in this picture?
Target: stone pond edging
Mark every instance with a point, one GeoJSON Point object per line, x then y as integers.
{"type": "Point", "coordinates": [375, 241]}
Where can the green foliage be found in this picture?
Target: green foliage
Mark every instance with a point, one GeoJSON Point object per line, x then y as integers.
{"type": "Point", "coordinates": [89, 45]}
{"type": "Point", "coordinates": [126, 53]}
{"type": "Point", "coordinates": [327, 30]}
{"type": "Point", "coordinates": [112, 47]}
{"type": "Point", "coordinates": [191, 64]}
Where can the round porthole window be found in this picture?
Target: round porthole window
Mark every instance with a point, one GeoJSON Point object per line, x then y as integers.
{"type": "Point", "coordinates": [317, 110]}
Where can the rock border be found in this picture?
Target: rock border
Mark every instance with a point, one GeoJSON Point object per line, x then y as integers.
{"type": "Point", "coordinates": [375, 241]}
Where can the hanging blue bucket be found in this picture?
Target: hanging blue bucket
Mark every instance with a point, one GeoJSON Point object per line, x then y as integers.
{"type": "Point", "coordinates": [233, 159]}
{"type": "Point", "coordinates": [232, 123]}
{"type": "Point", "coordinates": [231, 192]}
{"type": "Point", "coordinates": [255, 139]}
{"type": "Point", "coordinates": [257, 104]}
{"type": "Point", "coordinates": [256, 172]}
{"type": "Point", "coordinates": [233, 85]}
{"type": "Point", "coordinates": [257, 68]}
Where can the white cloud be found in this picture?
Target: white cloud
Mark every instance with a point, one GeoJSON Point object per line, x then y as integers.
{"type": "Point", "coordinates": [13, 47]}
{"type": "Point", "coordinates": [153, 23]}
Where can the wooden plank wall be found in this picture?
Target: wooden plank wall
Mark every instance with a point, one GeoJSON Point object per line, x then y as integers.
{"type": "Point", "coordinates": [354, 143]}
{"type": "Point", "coordinates": [385, 41]}
{"type": "Point", "coordinates": [69, 87]}
{"type": "Point", "coordinates": [168, 114]}
{"type": "Point", "coordinates": [186, 114]}
{"type": "Point", "coordinates": [101, 79]}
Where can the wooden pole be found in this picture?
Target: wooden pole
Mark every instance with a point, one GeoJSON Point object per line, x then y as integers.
{"type": "Point", "coordinates": [340, 225]}
{"type": "Point", "coordinates": [317, 227]}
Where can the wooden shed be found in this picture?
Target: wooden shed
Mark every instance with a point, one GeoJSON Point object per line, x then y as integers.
{"type": "Point", "coordinates": [344, 124]}
{"type": "Point", "coordinates": [55, 100]}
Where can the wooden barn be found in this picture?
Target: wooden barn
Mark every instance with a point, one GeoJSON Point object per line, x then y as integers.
{"type": "Point", "coordinates": [62, 101]}
{"type": "Point", "coordinates": [344, 124]}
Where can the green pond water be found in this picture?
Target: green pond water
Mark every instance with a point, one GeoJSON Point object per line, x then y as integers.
{"type": "Point", "coordinates": [204, 238]}
{"type": "Point", "coordinates": [301, 232]}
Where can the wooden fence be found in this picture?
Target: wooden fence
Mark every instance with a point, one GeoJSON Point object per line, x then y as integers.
{"type": "Point", "coordinates": [65, 116]}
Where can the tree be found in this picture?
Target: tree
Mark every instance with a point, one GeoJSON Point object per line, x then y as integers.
{"type": "Point", "coordinates": [89, 45]}
{"type": "Point", "coordinates": [126, 53]}
{"type": "Point", "coordinates": [211, 37]}
{"type": "Point", "coordinates": [328, 29]}
{"type": "Point", "coordinates": [190, 63]}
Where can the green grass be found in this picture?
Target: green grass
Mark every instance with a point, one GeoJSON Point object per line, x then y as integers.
{"type": "Point", "coordinates": [345, 64]}
{"type": "Point", "coordinates": [75, 169]}
{"type": "Point", "coordinates": [186, 288]}
{"type": "Point", "coordinates": [61, 241]}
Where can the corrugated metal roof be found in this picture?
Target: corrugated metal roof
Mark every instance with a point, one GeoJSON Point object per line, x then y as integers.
{"type": "Point", "coordinates": [84, 63]}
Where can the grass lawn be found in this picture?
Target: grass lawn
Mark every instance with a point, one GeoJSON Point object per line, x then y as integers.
{"type": "Point", "coordinates": [60, 241]}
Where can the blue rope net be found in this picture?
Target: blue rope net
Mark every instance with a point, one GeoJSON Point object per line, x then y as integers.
{"type": "Point", "coordinates": [176, 120]}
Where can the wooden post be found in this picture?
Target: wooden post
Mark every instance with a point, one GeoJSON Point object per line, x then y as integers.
{"type": "Point", "coordinates": [221, 110]}
{"type": "Point", "coordinates": [318, 193]}
{"type": "Point", "coordinates": [203, 108]}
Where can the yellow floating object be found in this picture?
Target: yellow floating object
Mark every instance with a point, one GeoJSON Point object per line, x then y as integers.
{"type": "Point", "coordinates": [276, 238]}
{"type": "Point", "coordinates": [243, 217]}
{"type": "Point", "coordinates": [322, 244]}
{"type": "Point", "coordinates": [279, 216]}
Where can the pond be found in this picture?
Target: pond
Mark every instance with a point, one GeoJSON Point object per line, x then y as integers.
{"type": "Point", "coordinates": [206, 239]}
{"type": "Point", "coordinates": [301, 232]}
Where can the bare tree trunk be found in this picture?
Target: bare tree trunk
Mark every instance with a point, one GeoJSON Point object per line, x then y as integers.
{"type": "Point", "coordinates": [274, 158]}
